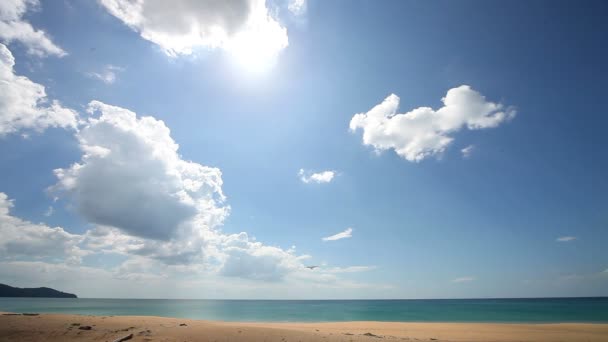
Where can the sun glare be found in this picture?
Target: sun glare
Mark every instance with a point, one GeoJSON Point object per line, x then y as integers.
{"type": "Point", "coordinates": [256, 48]}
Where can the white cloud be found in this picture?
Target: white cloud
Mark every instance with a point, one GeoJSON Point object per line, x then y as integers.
{"type": "Point", "coordinates": [463, 280]}
{"type": "Point", "coordinates": [565, 238]}
{"type": "Point", "coordinates": [253, 260]}
{"type": "Point", "coordinates": [147, 201]}
{"type": "Point", "coordinates": [244, 28]}
{"type": "Point", "coordinates": [14, 28]}
{"type": "Point", "coordinates": [297, 7]}
{"type": "Point", "coordinates": [424, 132]}
{"type": "Point", "coordinates": [467, 151]}
{"type": "Point", "coordinates": [219, 265]}
{"type": "Point", "coordinates": [132, 178]}
{"type": "Point", "coordinates": [342, 235]}
{"type": "Point", "coordinates": [349, 269]}
{"type": "Point", "coordinates": [138, 278]}
{"type": "Point", "coordinates": [24, 104]}
{"type": "Point", "coordinates": [159, 212]}
{"type": "Point", "coordinates": [49, 211]}
{"type": "Point", "coordinates": [107, 75]}
{"type": "Point", "coordinates": [316, 177]}
{"type": "Point", "coordinates": [20, 238]}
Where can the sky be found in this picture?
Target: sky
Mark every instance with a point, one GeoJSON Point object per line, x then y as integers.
{"type": "Point", "coordinates": [217, 149]}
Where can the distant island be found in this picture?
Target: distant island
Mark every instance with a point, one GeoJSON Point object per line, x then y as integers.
{"type": "Point", "coordinates": [39, 292]}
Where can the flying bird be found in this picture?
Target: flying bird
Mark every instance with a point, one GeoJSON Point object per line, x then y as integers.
{"type": "Point", "coordinates": [312, 267]}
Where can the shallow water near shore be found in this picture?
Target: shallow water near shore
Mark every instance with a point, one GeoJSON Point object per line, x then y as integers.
{"type": "Point", "coordinates": [541, 310]}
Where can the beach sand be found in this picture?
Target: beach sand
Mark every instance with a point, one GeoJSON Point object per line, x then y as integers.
{"type": "Point", "coordinates": [55, 327]}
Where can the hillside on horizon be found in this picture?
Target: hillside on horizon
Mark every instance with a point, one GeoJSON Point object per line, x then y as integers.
{"type": "Point", "coordinates": [38, 292]}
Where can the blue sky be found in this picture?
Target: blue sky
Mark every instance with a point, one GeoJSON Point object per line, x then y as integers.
{"type": "Point", "coordinates": [427, 220]}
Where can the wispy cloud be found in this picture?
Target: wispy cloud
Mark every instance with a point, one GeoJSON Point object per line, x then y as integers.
{"type": "Point", "coordinates": [467, 151]}
{"type": "Point", "coordinates": [463, 280]}
{"type": "Point", "coordinates": [297, 7]}
{"type": "Point", "coordinates": [565, 238]}
{"type": "Point", "coordinates": [316, 177]}
{"type": "Point", "coordinates": [342, 235]}
{"type": "Point", "coordinates": [107, 75]}
{"type": "Point", "coordinates": [349, 269]}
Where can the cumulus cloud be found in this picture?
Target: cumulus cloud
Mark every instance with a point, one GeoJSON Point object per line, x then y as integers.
{"type": "Point", "coordinates": [342, 235]}
{"type": "Point", "coordinates": [254, 260]}
{"type": "Point", "coordinates": [234, 255]}
{"type": "Point", "coordinates": [24, 104]}
{"type": "Point", "coordinates": [148, 205]}
{"type": "Point", "coordinates": [425, 132]}
{"type": "Point", "coordinates": [132, 178]}
{"type": "Point", "coordinates": [20, 238]}
{"type": "Point", "coordinates": [243, 27]}
{"type": "Point", "coordinates": [107, 75]}
{"type": "Point", "coordinates": [307, 176]}
{"type": "Point", "coordinates": [149, 202]}
{"type": "Point", "coordinates": [467, 151]}
{"type": "Point", "coordinates": [565, 238]}
{"type": "Point", "coordinates": [463, 280]}
{"type": "Point", "coordinates": [14, 28]}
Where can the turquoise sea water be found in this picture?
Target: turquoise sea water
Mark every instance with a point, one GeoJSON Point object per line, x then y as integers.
{"type": "Point", "coordinates": [441, 310]}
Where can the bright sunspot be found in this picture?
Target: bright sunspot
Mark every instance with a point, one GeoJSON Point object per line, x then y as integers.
{"type": "Point", "coordinates": [256, 48]}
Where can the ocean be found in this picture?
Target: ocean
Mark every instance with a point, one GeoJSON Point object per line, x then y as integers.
{"type": "Point", "coordinates": [541, 310]}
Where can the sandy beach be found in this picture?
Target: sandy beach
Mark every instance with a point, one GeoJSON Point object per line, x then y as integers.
{"type": "Point", "coordinates": [55, 327]}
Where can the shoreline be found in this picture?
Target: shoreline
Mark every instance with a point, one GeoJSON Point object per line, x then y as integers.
{"type": "Point", "coordinates": [286, 322]}
{"type": "Point", "coordinates": [64, 327]}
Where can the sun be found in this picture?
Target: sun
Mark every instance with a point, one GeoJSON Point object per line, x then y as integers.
{"type": "Point", "coordinates": [257, 47]}
{"type": "Point", "coordinates": [252, 56]}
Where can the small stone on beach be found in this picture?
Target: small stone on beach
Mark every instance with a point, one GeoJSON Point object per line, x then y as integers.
{"type": "Point", "coordinates": [124, 338]}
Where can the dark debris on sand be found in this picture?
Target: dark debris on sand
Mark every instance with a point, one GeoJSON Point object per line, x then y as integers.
{"type": "Point", "coordinates": [371, 335]}
{"type": "Point", "coordinates": [124, 338]}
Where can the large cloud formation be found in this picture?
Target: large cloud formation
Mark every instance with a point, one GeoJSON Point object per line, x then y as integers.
{"type": "Point", "coordinates": [14, 28]}
{"type": "Point", "coordinates": [131, 177]}
{"type": "Point", "coordinates": [180, 26]}
{"type": "Point", "coordinates": [24, 104]}
{"type": "Point", "coordinates": [160, 213]}
{"type": "Point", "coordinates": [149, 202]}
{"type": "Point", "coordinates": [425, 132]}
